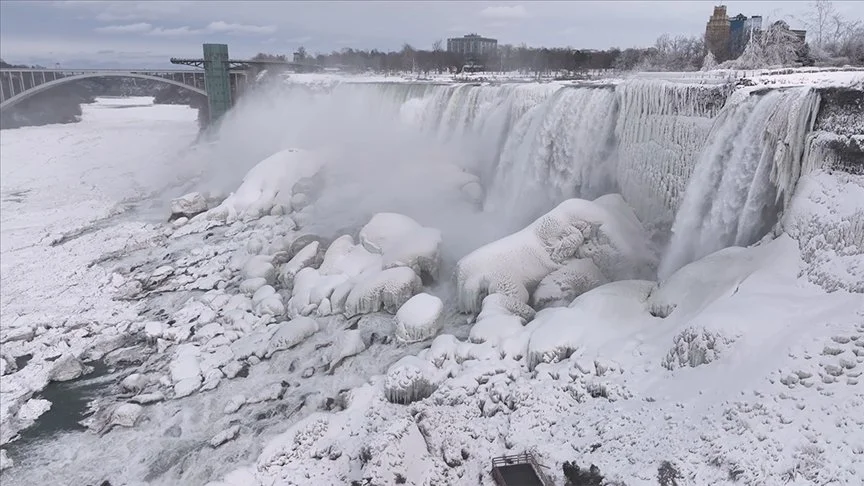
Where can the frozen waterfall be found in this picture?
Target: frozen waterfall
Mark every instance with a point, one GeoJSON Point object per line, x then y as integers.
{"type": "Point", "coordinates": [714, 160]}
{"type": "Point", "coordinates": [752, 160]}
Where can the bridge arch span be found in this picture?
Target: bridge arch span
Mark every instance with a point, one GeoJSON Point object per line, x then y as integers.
{"type": "Point", "coordinates": [14, 100]}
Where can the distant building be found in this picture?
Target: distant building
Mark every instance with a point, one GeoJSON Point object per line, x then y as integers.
{"type": "Point", "coordinates": [737, 35]}
{"type": "Point", "coordinates": [727, 37]}
{"type": "Point", "coordinates": [472, 46]}
{"type": "Point", "coordinates": [717, 34]}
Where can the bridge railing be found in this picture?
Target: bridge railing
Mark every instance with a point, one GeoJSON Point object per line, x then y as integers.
{"type": "Point", "coordinates": [15, 81]}
{"type": "Point", "coordinates": [523, 458]}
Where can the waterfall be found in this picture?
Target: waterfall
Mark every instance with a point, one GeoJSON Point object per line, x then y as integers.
{"type": "Point", "coordinates": [713, 163]}
{"type": "Point", "coordinates": [751, 162]}
{"type": "Point", "coordinates": [561, 148]}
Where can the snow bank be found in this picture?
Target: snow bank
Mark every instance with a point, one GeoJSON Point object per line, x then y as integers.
{"type": "Point", "coordinates": [266, 185]}
{"type": "Point", "coordinates": [604, 231]}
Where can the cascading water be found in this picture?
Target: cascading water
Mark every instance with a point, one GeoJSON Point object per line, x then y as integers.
{"type": "Point", "coordinates": [532, 146]}
{"type": "Point", "coordinates": [752, 159]}
{"type": "Point", "coordinates": [560, 149]}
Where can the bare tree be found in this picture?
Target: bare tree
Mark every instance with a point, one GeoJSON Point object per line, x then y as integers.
{"type": "Point", "coordinates": [819, 20]}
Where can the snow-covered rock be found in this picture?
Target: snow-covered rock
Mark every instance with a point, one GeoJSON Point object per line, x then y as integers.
{"type": "Point", "coordinates": [410, 379]}
{"type": "Point", "coordinates": [403, 242]}
{"type": "Point", "coordinates": [419, 318]}
{"type": "Point", "coordinates": [267, 184]}
{"type": "Point", "coordinates": [259, 266]}
{"type": "Point", "coordinates": [604, 231]}
{"type": "Point", "coordinates": [386, 290]}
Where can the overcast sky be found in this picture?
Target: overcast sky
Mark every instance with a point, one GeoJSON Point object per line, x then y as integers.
{"type": "Point", "coordinates": [147, 33]}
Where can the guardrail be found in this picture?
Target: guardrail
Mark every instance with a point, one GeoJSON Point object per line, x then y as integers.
{"type": "Point", "coordinates": [523, 458]}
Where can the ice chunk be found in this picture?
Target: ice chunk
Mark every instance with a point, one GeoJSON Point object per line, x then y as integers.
{"type": "Point", "coordinates": [226, 435]}
{"type": "Point", "coordinates": [66, 368]}
{"type": "Point", "coordinates": [560, 287]}
{"type": "Point", "coordinates": [188, 205]}
{"type": "Point", "coordinates": [605, 231]}
{"type": "Point", "coordinates": [443, 348]}
{"type": "Point", "coordinates": [262, 293]}
{"type": "Point", "coordinates": [269, 183]}
{"type": "Point", "coordinates": [347, 344]}
{"type": "Point", "coordinates": [419, 318]}
{"type": "Point", "coordinates": [304, 258]}
{"type": "Point", "coordinates": [126, 415]}
{"type": "Point", "coordinates": [271, 305]}
{"type": "Point", "coordinates": [291, 333]}
{"type": "Point", "coordinates": [386, 290]}
{"type": "Point", "coordinates": [185, 370]}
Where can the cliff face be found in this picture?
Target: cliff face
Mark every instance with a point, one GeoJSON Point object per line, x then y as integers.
{"type": "Point", "coordinates": [839, 129]}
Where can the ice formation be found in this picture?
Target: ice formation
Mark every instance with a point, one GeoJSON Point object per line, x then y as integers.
{"type": "Point", "coordinates": [750, 166]}
{"type": "Point", "coordinates": [386, 290]}
{"type": "Point", "coordinates": [599, 230]}
{"type": "Point", "coordinates": [419, 318]}
{"type": "Point", "coordinates": [568, 282]}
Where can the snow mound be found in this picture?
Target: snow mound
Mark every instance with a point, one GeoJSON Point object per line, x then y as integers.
{"type": "Point", "coordinates": [268, 184]}
{"type": "Point", "coordinates": [605, 230]}
{"type": "Point", "coordinates": [387, 290]}
{"type": "Point", "coordinates": [697, 284]}
{"type": "Point", "coordinates": [403, 242]}
{"type": "Point", "coordinates": [500, 318]}
{"type": "Point", "coordinates": [599, 322]}
{"type": "Point", "coordinates": [419, 318]}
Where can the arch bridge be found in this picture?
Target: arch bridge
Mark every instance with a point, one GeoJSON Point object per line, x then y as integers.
{"type": "Point", "coordinates": [215, 76]}
{"type": "Point", "coordinates": [18, 84]}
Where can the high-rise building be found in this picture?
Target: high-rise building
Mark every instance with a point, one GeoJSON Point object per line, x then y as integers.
{"type": "Point", "coordinates": [737, 35]}
{"type": "Point", "coordinates": [472, 46]}
{"type": "Point", "coordinates": [717, 34]}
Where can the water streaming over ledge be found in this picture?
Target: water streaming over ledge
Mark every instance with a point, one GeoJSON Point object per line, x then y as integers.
{"type": "Point", "coordinates": [716, 162]}
{"type": "Point", "coordinates": [712, 161]}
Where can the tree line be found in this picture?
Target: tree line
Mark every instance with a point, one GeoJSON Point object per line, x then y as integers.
{"type": "Point", "coordinates": [832, 40]}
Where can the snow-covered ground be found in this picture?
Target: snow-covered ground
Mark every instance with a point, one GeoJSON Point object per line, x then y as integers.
{"type": "Point", "coordinates": [301, 331]}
